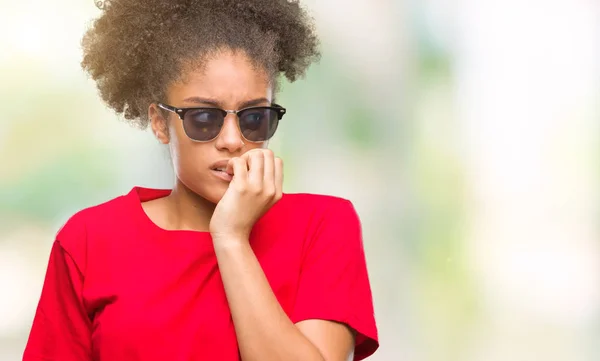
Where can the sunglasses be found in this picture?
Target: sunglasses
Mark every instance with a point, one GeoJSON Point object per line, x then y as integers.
{"type": "Point", "coordinates": [257, 124]}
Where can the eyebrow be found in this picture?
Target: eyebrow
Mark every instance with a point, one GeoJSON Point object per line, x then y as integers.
{"type": "Point", "coordinates": [216, 103]}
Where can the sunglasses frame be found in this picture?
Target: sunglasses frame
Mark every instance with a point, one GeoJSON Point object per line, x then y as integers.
{"type": "Point", "coordinates": [182, 111]}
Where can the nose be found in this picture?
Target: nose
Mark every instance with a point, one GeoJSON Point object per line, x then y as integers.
{"type": "Point", "coordinates": [230, 138]}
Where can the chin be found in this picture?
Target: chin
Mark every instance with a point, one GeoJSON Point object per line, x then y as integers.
{"type": "Point", "coordinates": [213, 193]}
{"type": "Point", "coordinates": [214, 196]}
{"type": "Point", "coordinates": [207, 190]}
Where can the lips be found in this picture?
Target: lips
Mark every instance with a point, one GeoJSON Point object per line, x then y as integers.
{"type": "Point", "coordinates": [219, 169]}
{"type": "Point", "coordinates": [220, 166]}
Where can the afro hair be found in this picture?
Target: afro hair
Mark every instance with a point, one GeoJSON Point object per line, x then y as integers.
{"type": "Point", "coordinates": [136, 48]}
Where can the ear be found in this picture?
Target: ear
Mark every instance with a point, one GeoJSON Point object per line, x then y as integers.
{"type": "Point", "coordinates": [158, 123]}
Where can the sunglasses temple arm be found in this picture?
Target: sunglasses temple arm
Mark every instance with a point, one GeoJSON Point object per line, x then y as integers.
{"type": "Point", "coordinates": [167, 107]}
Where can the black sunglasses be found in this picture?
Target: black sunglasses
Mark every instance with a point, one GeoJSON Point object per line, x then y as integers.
{"type": "Point", "coordinates": [257, 124]}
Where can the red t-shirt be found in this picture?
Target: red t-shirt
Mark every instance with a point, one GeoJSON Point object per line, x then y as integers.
{"type": "Point", "coordinates": [119, 288]}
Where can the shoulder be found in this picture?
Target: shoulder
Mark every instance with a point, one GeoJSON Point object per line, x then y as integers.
{"type": "Point", "coordinates": [318, 215]}
{"type": "Point", "coordinates": [74, 234]}
{"type": "Point", "coordinates": [311, 203]}
{"type": "Point", "coordinates": [92, 217]}
{"type": "Point", "coordinates": [304, 218]}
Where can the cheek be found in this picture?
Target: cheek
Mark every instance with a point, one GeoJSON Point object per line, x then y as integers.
{"type": "Point", "coordinates": [187, 155]}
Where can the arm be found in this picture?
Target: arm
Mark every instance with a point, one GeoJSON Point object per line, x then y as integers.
{"type": "Point", "coordinates": [263, 329]}
{"type": "Point", "coordinates": [61, 327]}
{"type": "Point", "coordinates": [334, 289]}
{"type": "Point", "coordinates": [334, 283]}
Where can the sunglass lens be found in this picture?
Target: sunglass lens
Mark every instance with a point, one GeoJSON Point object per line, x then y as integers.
{"type": "Point", "coordinates": [258, 124]}
{"type": "Point", "coordinates": [203, 124]}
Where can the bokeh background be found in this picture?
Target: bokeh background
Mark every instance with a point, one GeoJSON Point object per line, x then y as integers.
{"type": "Point", "coordinates": [466, 133]}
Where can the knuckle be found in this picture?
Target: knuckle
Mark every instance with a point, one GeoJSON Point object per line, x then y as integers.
{"type": "Point", "coordinates": [254, 188]}
{"type": "Point", "coordinates": [241, 188]}
{"type": "Point", "coordinates": [239, 162]}
{"type": "Point", "coordinates": [269, 191]}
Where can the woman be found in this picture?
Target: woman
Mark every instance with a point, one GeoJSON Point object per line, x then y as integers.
{"type": "Point", "coordinates": [224, 266]}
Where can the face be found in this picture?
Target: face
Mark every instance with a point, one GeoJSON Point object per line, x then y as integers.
{"type": "Point", "coordinates": [228, 81]}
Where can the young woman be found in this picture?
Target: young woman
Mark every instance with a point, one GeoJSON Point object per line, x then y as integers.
{"type": "Point", "coordinates": [224, 266]}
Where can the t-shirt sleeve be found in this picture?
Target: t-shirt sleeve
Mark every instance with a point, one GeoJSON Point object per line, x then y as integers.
{"type": "Point", "coordinates": [334, 283]}
{"type": "Point", "coordinates": [61, 328]}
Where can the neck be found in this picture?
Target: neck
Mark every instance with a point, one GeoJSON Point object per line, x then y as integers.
{"type": "Point", "coordinates": [187, 210]}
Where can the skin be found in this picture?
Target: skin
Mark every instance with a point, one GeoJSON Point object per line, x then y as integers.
{"type": "Point", "coordinates": [201, 201]}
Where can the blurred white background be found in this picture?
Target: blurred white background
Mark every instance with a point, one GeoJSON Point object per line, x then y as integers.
{"type": "Point", "coordinates": [466, 133]}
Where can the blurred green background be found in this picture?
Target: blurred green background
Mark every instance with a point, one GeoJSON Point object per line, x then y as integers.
{"type": "Point", "coordinates": [466, 133]}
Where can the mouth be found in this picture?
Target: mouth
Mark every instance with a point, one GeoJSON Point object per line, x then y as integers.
{"type": "Point", "coordinates": [221, 173]}
{"type": "Point", "coordinates": [220, 169]}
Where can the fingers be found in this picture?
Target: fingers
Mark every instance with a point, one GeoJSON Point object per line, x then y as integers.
{"type": "Point", "coordinates": [239, 168]}
{"type": "Point", "coordinates": [269, 186]}
{"type": "Point", "coordinates": [269, 176]}
{"type": "Point", "coordinates": [278, 173]}
{"type": "Point", "coordinates": [256, 166]}
{"type": "Point", "coordinates": [261, 172]}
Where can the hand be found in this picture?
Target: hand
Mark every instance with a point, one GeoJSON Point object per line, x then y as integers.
{"type": "Point", "coordinates": [256, 186]}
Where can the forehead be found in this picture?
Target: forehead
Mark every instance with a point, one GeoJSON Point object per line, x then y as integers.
{"type": "Point", "coordinates": [227, 76]}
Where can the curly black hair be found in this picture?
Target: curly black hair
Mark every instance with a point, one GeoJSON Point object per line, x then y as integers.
{"type": "Point", "coordinates": [136, 48]}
